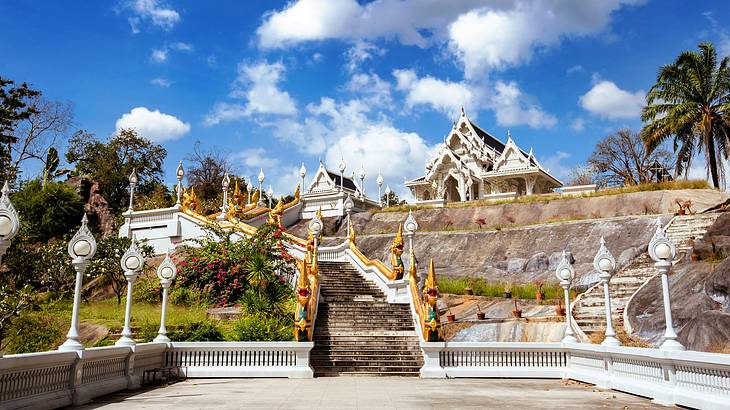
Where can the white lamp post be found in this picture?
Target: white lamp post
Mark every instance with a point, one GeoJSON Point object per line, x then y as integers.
{"type": "Point", "coordinates": [387, 196]}
{"type": "Point", "coordinates": [9, 221]}
{"type": "Point", "coordinates": [342, 167]}
{"type": "Point", "coordinates": [270, 193]}
{"type": "Point", "coordinates": [132, 184]}
{"type": "Point", "coordinates": [261, 193]}
{"type": "Point", "coordinates": [565, 274]}
{"type": "Point", "coordinates": [605, 264]}
{"type": "Point", "coordinates": [410, 226]}
{"type": "Point", "coordinates": [362, 181]}
{"type": "Point", "coordinates": [249, 187]}
{"type": "Point", "coordinates": [166, 273]}
{"type": "Point", "coordinates": [302, 173]}
{"type": "Point", "coordinates": [349, 204]}
{"type": "Point", "coordinates": [81, 248]}
{"type": "Point", "coordinates": [180, 174]}
{"type": "Point", "coordinates": [132, 262]}
{"type": "Point", "coordinates": [662, 251]}
{"type": "Point", "coordinates": [224, 208]}
{"type": "Point", "coordinates": [380, 181]}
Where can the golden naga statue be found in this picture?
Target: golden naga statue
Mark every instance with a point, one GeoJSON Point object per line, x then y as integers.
{"type": "Point", "coordinates": [352, 235]}
{"type": "Point", "coordinates": [296, 194]}
{"type": "Point", "coordinates": [431, 319]}
{"type": "Point", "coordinates": [190, 201]}
{"type": "Point", "coordinates": [239, 199]}
{"type": "Point", "coordinates": [275, 214]}
{"type": "Point", "coordinates": [396, 250]}
{"type": "Point", "coordinates": [302, 320]}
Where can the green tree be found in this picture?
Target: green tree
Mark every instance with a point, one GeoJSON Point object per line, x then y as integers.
{"type": "Point", "coordinates": [690, 103]}
{"type": "Point", "coordinates": [391, 199]}
{"type": "Point", "coordinates": [12, 303]}
{"type": "Point", "coordinates": [13, 109]}
{"type": "Point", "coordinates": [48, 212]}
{"type": "Point", "coordinates": [110, 163]}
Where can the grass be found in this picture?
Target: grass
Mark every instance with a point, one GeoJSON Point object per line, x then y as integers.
{"type": "Point", "coordinates": [483, 287]}
{"type": "Point", "coordinates": [545, 198]}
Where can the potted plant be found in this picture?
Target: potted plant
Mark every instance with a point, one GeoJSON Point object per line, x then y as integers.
{"type": "Point", "coordinates": [539, 294]}
{"type": "Point", "coordinates": [468, 291]}
{"type": "Point", "coordinates": [480, 314]}
{"type": "Point", "coordinates": [560, 310]}
{"type": "Point", "coordinates": [450, 317]}
{"type": "Point", "coordinates": [517, 312]}
{"type": "Point", "coordinates": [507, 291]}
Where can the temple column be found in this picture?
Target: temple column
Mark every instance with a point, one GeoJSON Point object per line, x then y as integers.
{"type": "Point", "coordinates": [530, 184]}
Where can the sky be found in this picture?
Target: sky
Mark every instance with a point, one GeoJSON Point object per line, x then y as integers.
{"type": "Point", "coordinates": [274, 84]}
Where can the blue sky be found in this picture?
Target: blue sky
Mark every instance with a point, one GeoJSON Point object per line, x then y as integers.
{"type": "Point", "coordinates": [273, 84]}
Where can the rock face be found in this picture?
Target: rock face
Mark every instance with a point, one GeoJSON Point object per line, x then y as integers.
{"type": "Point", "coordinates": [520, 254]}
{"type": "Point", "coordinates": [96, 207]}
{"type": "Point", "coordinates": [512, 331]}
{"type": "Point", "coordinates": [700, 295]}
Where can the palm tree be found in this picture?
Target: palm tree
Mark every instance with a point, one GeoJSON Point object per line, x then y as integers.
{"type": "Point", "coordinates": [690, 102]}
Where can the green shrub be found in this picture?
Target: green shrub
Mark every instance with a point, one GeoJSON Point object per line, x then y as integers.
{"type": "Point", "coordinates": [206, 331]}
{"type": "Point", "coordinates": [180, 295]}
{"type": "Point", "coordinates": [148, 289]}
{"type": "Point", "coordinates": [260, 328]}
{"type": "Point", "coordinates": [48, 212]}
{"type": "Point", "coordinates": [483, 287]}
{"type": "Point", "coordinates": [36, 332]}
{"type": "Point", "coordinates": [45, 266]}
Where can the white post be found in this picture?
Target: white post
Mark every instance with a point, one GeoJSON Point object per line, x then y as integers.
{"type": "Point", "coordinates": [180, 173]}
{"type": "Point", "coordinates": [166, 273]}
{"type": "Point", "coordinates": [349, 204]}
{"type": "Point", "coordinates": [565, 274]}
{"type": "Point", "coordinates": [362, 181]}
{"type": "Point", "coordinates": [380, 181]}
{"type": "Point", "coordinates": [302, 173]}
{"type": "Point", "coordinates": [224, 208]}
{"type": "Point", "coordinates": [606, 264]}
{"type": "Point", "coordinates": [270, 191]}
{"type": "Point", "coordinates": [662, 251]}
{"type": "Point", "coordinates": [9, 221]}
{"type": "Point", "coordinates": [410, 226]}
{"type": "Point", "coordinates": [81, 248]}
{"type": "Point", "coordinates": [132, 262]}
{"type": "Point", "coordinates": [387, 196]}
{"type": "Point", "coordinates": [261, 192]}
{"type": "Point", "coordinates": [132, 183]}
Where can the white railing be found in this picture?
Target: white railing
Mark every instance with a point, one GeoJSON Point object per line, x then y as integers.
{"type": "Point", "coordinates": [686, 378]}
{"type": "Point", "coordinates": [241, 359]}
{"type": "Point", "coordinates": [56, 379]}
{"type": "Point", "coordinates": [333, 253]}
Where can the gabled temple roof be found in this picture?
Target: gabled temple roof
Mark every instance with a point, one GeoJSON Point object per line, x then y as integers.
{"type": "Point", "coordinates": [349, 183]}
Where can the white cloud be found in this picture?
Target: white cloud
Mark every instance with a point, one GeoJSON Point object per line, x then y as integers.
{"type": "Point", "coordinates": [373, 89]}
{"type": "Point", "coordinates": [578, 125]}
{"type": "Point", "coordinates": [574, 69]}
{"type": "Point", "coordinates": [445, 96]}
{"type": "Point", "coordinates": [258, 84]}
{"type": "Point", "coordinates": [154, 12]}
{"type": "Point", "coordinates": [496, 37]}
{"type": "Point", "coordinates": [360, 52]}
{"type": "Point", "coordinates": [721, 31]}
{"type": "Point", "coordinates": [153, 125]}
{"type": "Point", "coordinates": [512, 107]}
{"type": "Point", "coordinates": [180, 46]}
{"type": "Point", "coordinates": [161, 82]}
{"type": "Point", "coordinates": [211, 60]}
{"type": "Point", "coordinates": [555, 164]}
{"type": "Point", "coordinates": [253, 159]}
{"type": "Point", "coordinates": [607, 100]}
{"type": "Point", "coordinates": [158, 55]}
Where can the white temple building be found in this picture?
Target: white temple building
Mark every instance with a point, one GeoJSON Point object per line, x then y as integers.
{"type": "Point", "coordinates": [472, 164]}
{"type": "Point", "coordinates": [328, 191]}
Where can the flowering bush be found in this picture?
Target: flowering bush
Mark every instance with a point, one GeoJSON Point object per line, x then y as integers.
{"type": "Point", "coordinates": [225, 269]}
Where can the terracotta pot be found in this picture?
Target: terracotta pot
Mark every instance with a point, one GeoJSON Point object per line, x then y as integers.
{"type": "Point", "coordinates": [468, 291]}
{"type": "Point", "coordinates": [694, 257]}
{"type": "Point", "coordinates": [680, 212]}
{"type": "Point", "coordinates": [481, 315]}
{"type": "Point", "coordinates": [451, 318]}
{"type": "Point", "coordinates": [517, 313]}
{"type": "Point", "coordinates": [560, 311]}
{"type": "Point", "coordinates": [507, 295]}
{"type": "Point", "coordinates": [538, 296]}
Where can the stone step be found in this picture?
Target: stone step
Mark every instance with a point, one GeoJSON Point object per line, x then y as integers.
{"type": "Point", "coordinates": [367, 369]}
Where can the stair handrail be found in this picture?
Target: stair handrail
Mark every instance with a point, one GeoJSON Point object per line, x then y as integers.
{"type": "Point", "coordinates": [372, 263]}
{"type": "Point", "coordinates": [579, 333]}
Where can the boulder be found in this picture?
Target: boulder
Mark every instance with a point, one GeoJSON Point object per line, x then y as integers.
{"type": "Point", "coordinates": [95, 205]}
{"type": "Point", "coordinates": [516, 265]}
{"type": "Point", "coordinates": [538, 262]}
{"type": "Point", "coordinates": [556, 257]}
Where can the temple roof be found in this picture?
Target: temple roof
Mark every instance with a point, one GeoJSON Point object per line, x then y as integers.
{"type": "Point", "coordinates": [349, 183]}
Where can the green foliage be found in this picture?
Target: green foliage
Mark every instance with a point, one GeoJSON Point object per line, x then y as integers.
{"type": "Point", "coordinates": [106, 263]}
{"type": "Point", "coordinates": [147, 289]}
{"type": "Point", "coordinates": [45, 266]}
{"type": "Point", "coordinates": [36, 332]}
{"type": "Point", "coordinates": [157, 197]}
{"type": "Point", "coordinates": [204, 331]}
{"type": "Point", "coordinates": [13, 302]}
{"type": "Point", "coordinates": [261, 328]}
{"type": "Point", "coordinates": [183, 296]}
{"type": "Point", "coordinates": [50, 170]}
{"type": "Point", "coordinates": [47, 213]}
{"type": "Point", "coordinates": [13, 109]}
{"type": "Point", "coordinates": [690, 104]}
{"type": "Point", "coordinates": [111, 163]}
{"type": "Point", "coordinates": [483, 287]}
{"type": "Point", "coordinates": [224, 269]}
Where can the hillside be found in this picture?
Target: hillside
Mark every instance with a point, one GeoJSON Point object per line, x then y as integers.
{"type": "Point", "coordinates": [522, 242]}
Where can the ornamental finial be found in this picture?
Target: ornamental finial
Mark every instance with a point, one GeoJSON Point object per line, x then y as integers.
{"type": "Point", "coordinates": [302, 170]}
{"type": "Point", "coordinates": [431, 278]}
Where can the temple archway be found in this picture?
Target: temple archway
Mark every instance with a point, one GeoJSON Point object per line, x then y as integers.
{"type": "Point", "coordinates": [452, 189]}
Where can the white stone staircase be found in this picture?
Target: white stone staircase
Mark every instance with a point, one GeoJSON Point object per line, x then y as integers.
{"type": "Point", "coordinates": [588, 308]}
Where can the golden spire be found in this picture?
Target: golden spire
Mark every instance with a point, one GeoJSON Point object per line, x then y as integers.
{"type": "Point", "coordinates": [302, 281]}
{"type": "Point", "coordinates": [296, 193]}
{"type": "Point", "coordinates": [398, 240]}
{"type": "Point", "coordinates": [319, 213]}
{"type": "Point", "coordinates": [412, 268]}
{"type": "Point", "coordinates": [431, 279]}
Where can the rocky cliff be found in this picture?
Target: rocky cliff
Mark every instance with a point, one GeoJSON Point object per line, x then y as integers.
{"type": "Point", "coordinates": [700, 295]}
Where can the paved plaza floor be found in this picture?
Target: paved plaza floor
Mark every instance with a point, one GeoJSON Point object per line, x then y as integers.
{"type": "Point", "coordinates": [372, 393]}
